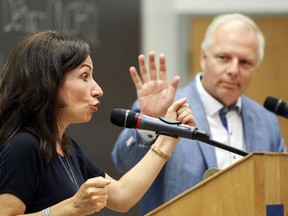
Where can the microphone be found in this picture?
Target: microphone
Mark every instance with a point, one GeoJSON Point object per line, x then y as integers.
{"type": "Point", "coordinates": [163, 126]}
{"type": "Point", "coordinates": [210, 172]}
{"type": "Point", "coordinates": [276, 106]}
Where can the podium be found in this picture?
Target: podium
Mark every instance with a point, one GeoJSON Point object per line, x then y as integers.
{"type": "Point", "coordinates": [255, 185]}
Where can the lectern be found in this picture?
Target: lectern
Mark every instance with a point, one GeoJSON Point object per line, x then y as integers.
{"type": "Point", "coordinates": [255, 185]}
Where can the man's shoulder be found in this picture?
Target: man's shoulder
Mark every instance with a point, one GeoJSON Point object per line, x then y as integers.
{"type": "Point", "coordinates": [252, 104]}
{"type": "Point", "coordinates": [253, 107]}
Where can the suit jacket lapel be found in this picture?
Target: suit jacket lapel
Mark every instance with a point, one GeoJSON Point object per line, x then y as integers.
{"type": "Point", "coordinates": [198, 111]}
{"type": "Point", "coordinates": [248, 125]}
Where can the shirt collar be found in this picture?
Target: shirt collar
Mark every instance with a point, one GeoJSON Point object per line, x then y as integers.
{"type": "Point", "coordinates": [211, 105]}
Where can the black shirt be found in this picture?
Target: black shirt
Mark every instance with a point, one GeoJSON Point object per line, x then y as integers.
{"type": "Point", "coordinates": [23, 173]}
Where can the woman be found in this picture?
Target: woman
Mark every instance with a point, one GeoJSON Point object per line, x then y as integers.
{"type": "Point", "coordinates": [46, 85]}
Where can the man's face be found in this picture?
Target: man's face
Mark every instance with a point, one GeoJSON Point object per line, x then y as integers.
{"type": "Point", "coordinates": [230, 63]}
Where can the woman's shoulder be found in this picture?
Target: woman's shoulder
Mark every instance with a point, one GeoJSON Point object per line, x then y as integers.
{"type": "Point", "coordinates": [25, 137]}
{"type": "Point", "coordinates": [23, 142]}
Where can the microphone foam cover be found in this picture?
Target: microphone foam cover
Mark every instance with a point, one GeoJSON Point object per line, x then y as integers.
{"type": "Point", "coordinates": [275, 105]}
{"type": "Point", "coordinates": [124, 118]}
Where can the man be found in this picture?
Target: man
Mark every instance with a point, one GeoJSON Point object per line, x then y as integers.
{"type": "Point", "coordinates": [232, 50]}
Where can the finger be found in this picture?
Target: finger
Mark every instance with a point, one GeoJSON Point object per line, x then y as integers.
{"type": "Point", "coordinates": [177, 104]}
{"type": "Point", "coordinates": [174, 85]}
{"type": "Point", "coordinates": [135, 77]}
{"type": "Point", "coordinates": [97, 193]}
{"type": "Point", "coordinates": [143, 70]}
{"type": "Point", "coordinates": [152, 66]}
{"type": "Point", "coordinates": [99, 206]}
{"type": "Point", "coordinates": [99, 197]}
{"type": "Point", "coordinates": [97, 182]}
{"type": "Point", "coordinates": [162, 67]}
{"type": "Point", "coordinates": [185, 115]}
{"type": "Point", "coordinates": [103, 181]}
{"type": "Point", "coordinates": [184, 107]}
{"type": "Point", "coordinates": [187, 118]}
{"type": "Point", "coordinates": [175, 82]}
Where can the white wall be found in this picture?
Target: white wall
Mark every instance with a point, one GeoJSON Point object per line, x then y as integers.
{"type": "Point", "coordinates": [165, 25]}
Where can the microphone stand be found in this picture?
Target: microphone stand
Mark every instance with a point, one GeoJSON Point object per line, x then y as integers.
{"type": "Point", "coordinates": [205, 137]}
{"type": "Point", "coordinates": [223, 146]}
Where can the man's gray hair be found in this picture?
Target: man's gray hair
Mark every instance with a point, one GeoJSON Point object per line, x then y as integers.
{"type": "Point", "coordinates": [231, 19]}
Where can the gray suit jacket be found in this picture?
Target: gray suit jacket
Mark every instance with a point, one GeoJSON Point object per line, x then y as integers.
{"type": "Point", "coordinates": [191, 158]}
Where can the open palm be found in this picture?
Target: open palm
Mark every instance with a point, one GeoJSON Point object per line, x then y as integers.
{"type": "Point", "coordinates": [154, 93]}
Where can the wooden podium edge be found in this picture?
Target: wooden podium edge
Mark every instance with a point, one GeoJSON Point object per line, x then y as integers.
{"type": "Point", "coordinates": [210, 178]}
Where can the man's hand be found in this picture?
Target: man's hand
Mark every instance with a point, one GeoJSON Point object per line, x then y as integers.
{"type": "Point", "coordinates": [153, 92]}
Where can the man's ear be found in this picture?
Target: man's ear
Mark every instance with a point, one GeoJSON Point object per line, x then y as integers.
{"type": "Point", "coordinates": [203, 60]}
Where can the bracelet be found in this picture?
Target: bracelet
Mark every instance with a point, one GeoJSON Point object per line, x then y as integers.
{"type": "Point", "coordinates": [160, 153]}
{"type": "Point", "coordinates": [46, 212]}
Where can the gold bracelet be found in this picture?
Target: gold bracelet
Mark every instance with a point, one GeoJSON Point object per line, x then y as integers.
{"type": "Point", "coordinates": [160, 153]}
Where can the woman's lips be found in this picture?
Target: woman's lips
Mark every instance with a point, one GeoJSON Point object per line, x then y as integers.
{"type": "Point", "coordinates": [95, 107]}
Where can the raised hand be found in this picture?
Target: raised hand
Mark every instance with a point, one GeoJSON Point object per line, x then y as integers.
{"type": "Point", "coordinates": [154, 93]}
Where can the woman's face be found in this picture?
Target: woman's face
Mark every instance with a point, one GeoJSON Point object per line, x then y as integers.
{"type": "Point", "coordinates": [79, 93]}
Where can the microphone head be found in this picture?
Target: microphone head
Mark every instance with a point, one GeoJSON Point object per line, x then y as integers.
{"type": "Point", "coordinates": [210, 172]}
{"type": "Point", "coordinates": [124, 118]}
{"type": "Point", "coordinates": [276, 106]}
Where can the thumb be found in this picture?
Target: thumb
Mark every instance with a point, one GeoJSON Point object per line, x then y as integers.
{"type": "Point", "coordinates": [174, 85]}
